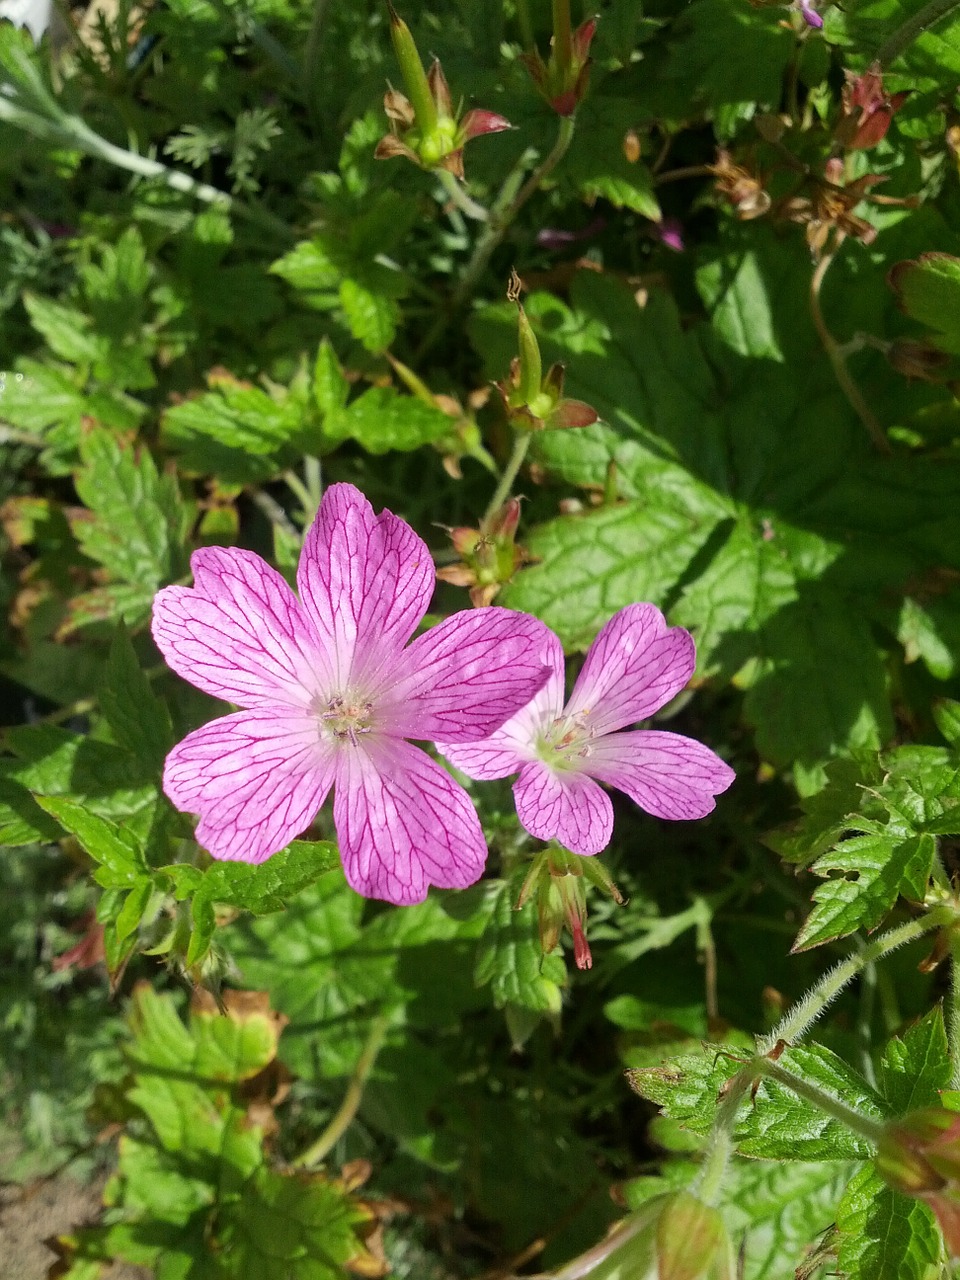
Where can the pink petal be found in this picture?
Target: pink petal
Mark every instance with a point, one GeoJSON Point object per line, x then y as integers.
{"type": "Point", "coordinates": [477, 122]}
{"type": "Point", "coordinates": [666, 774]}
{"type": "Point", "coordinates": [256, 778]}
{"type": "Point", "coordinates": [508, 748]}
{"type": "Point", "coordinates": [240, 632]}
{"type": "Point", "coordinates": [636, 665]}
{"type": "Point", "coordinates": [564, 806]}
{"type": "Point", "coordinates": [403, 823]}
{"type": "Point", "coordinates": [463, 678]}
{"type": "Point", "coordinates": [365, 582]}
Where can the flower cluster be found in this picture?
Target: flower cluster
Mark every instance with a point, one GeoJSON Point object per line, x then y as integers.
{"type": "Point", "coordinates": [331, 687]}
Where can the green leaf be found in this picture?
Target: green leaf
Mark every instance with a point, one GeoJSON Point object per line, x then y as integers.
{"type": "Point", "coordinates": [589, 566]}
{"type": "Point", "coordinates": [915, 1067]}
{"type": "Point", "coordinates": [138, 720]}
{"type": "Point", "coordinates": [238, 432]}
{"type": "Point", "coordinates": [382, 419]}
{"type": "Point", "coordinates": [118, 853]}
{"type": "Point", "coordinates": [22, 821]}
{"type": "Point", "coordinates": [928, 290]}
{"type": "Point", "coordinates": [782, 1126]}
{"type": "Point", "coordinates": [372, 317]}
{"type": "Point", "coordinates": [303, 1223]}
{"type": "Point", "coordinates": [875, 869]}
{"type": "Point", "coordinates": [260, 888]}
{"type": "Point", "coordinates": [946, 712]}
{"type": "Point", "coordinates": [68, 332]}
{"type": "Point", "coordinates": [883, 1234]}
{"type": "Point", "coordinates": [330, 387]}
{"type": "Point", "coordinates": [511, 959]}
{"type": "Point", "coordinates": [137, 519]}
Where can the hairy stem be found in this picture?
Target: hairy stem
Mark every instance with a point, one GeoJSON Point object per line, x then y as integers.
{"type": "Point", "coordinates": [348, 1108]}
{"type": "Point", "coordinates": [864, 1125]}
{"type": "Point", "coordinates": [914, 26]}
{"type": "Point", "coordinates": [836, 357]}
{"type": "Point", "coordinates": [720, 1142]}
{"type": "Point", "coordinates": [520, 446]}
{"type": "Point", "coordinates": [801, 1017]}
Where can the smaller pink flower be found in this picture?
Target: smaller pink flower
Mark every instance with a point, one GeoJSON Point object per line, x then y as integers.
{"type": "Point", "coordinates": [635, 666]}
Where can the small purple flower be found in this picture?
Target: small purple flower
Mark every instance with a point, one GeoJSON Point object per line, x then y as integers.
{"type": "Point", "coordinates": [635, 666]}
{"type": "Point", "coordinates": [809, 14]}
{"type": "Point", "coordinates": [331, 690]}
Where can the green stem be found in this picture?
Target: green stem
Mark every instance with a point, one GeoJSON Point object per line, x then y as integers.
{"type": "Point", "coordinates": [798, 1020]}
{"type": "Point", "coordinates": [311, 54]}
{"type": "Point", "coordinates": [302, 493]}
{"type": "Point", "coordinates": [470, 208]}
{"type": "Point", "coordinates": [350, 1105]}
{"type": "Point", "coordinates": [506, 208]}
{"type": "Point", "coordinates": [914, 26]}
{"type": "Point", "coordinates": [864, 1125]}
{"type": "Point", "coordinates": [527, 38]}
{"type": "Point", "coordinates": [835, 355]}
{"type": "Point", "coordinates": [74, 132]}
{"type": "Point", "coordinates": [520, 446]}
{"type": "Point", "coordinates": [709, 1180]}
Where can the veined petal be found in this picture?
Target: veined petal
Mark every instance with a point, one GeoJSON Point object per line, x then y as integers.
{"type": "Point", "coordinates": [240, 632]}
{"type": "Point", "coordinates": [666, 774]}
{"type": "Point", "coordinates": [463, 678]}
{"type": "Point", "coordinates": [636, 665]}
{"type": "Point", "coordinates": [403, 824]}
{"type": "Point", "coordinates": [508, 748]}
{"type": "Point", "coordinates": [565, 806]}
{"type": "Point", "coordinates": [256, 778]}
{"type": "Point", "coordinates": [365, 582]}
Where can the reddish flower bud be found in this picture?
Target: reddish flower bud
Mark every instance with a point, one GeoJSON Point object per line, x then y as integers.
{"type": "Point", "coordinates": [867, 110]}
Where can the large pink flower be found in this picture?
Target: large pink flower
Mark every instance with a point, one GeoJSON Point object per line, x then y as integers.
{"type": "Point", "coordinates": [635, 666]}
{"type": "Point", "coordinates": [331, 690]}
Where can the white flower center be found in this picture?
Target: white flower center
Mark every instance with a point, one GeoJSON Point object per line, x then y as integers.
{"type": "Point", "coordinates": [566, 742]}
{"type": "Point", "coordinates": [345, 716]}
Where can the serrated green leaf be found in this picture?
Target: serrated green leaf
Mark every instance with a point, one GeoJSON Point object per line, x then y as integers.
{"type": "Point", "coordinates": [916, 1066]}
{"type": "Point", "coordinates": [382, 419]}
{"type": "Point", "coordinates": [928, 290]}
{"type": "Point", "coordinates": [589, 566]}
{"type": "Point", "coordinates": [68, 332]}
{"type": "Point", "coordinates": [372, 317]}
{"type": "Point", "coordinates": [782, 1126]}
{"type": "Point", "coordinates": [882, 1234]}
{"type": "Point", "coordinates": [135, 904]}
{"type": "Point", "coordinates": [303, 1223]}
{"type": "Point", "coordinates": [946, 712]}
{"type": "Point", "coordinates": [510, 958]}
{"type": "Point", "coordinates": [260, 888]}
{"type": "Point", "coordinates": [22, 821]}
{"type": "Point", "coordinates": [238, 432]}
{"type": "Point", "coordinates": [875, 869]}
{"type": "Point", "coordinates": [138, 519]}
{"type": "Point", "coordinates": [118, 853]}
{"type": "Point", "coordinates": [138, 720]}
{"type": "Point", "coordinates": [330, 387]}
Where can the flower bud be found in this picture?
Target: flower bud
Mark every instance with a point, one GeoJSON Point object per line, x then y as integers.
{"type": "Point", "coordinates": [489, 556]}
{"type": "Point", "coordinates": [559, 879]}
{"type": "Point", "coordinates": [563, 78]}
{"type": "Point", "coordinates": [691, 1241]}
{"type": "Point", "coordinates": [424, 127]}
{"type": "Point", "coordinates": [535, 402]}
{"type": "Point", "coordinates": [919, 1155]}
{"type": "Point", "coordinates": [867, 110]}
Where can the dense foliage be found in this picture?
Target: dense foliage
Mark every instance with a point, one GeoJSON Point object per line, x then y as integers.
{"type": "Point", "coordinates": [229, 278]}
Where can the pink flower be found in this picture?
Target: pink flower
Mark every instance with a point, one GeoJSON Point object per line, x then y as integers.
{"type": "Point", "coordinates": [330, 691]}
{"type": "Point", "coordinates": [635, 666]}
